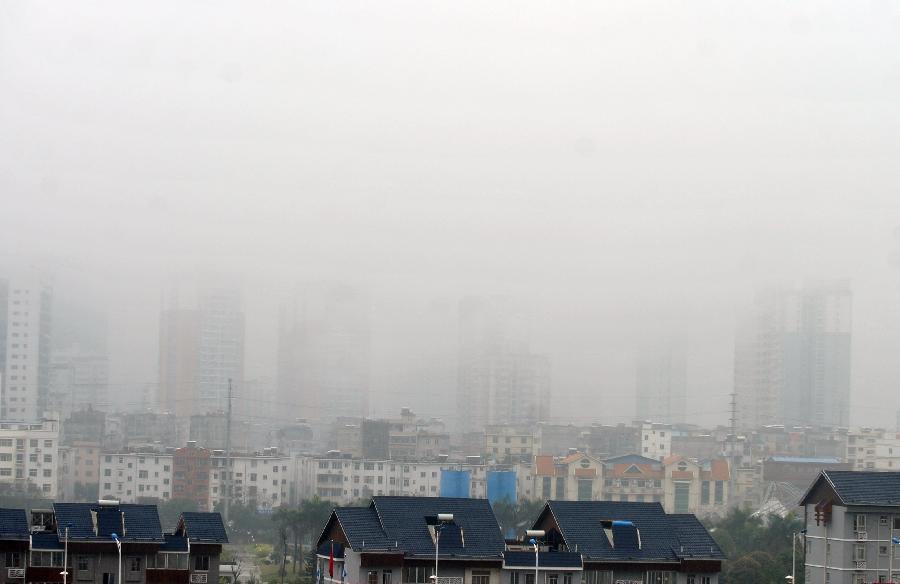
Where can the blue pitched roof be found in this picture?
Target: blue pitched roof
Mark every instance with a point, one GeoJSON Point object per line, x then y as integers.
{"type": "Point", "coordinates": [805, 459]}
{"type": "Point", "coordinates": [401, 523]}
{"type": "Point", "coordinates": [13, 524]}
{"type": "Point", "coordinates": [524, 559]}
{"type": "Point", "coordinates": [581, 525]}
{"type": "Point", "coordinates": [141, 522]}
{"type": "Point", "coordinates": [404, 521]}
{"type": "Point", "coordinates": [204, 527]}
{"type": "Point", "coordinates": [362, 528]}
{"type": "Point", "coordinates": [861, 487]}
{"type": "Point", "coordinates": [45, 541]}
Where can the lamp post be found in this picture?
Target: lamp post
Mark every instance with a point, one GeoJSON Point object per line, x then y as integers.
{"type": "Point", "coordinates": [65, 572]}
{"type": "Point", "coordinates": [119, 547]}
{"type": "Point", "coordinates": [793, 577]}
{"type": "Point", "coordinates": [534, 534]}
{"type": "Point", "coordinates": [442, 519]}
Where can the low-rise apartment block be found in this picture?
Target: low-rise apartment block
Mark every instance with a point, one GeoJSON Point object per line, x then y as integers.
{"type": "Point", "coordinates": [261, 479]}
{"type": "Point", "coordinates": [131, 477]}
{"type": "Point", "coordinates": [29, 457]}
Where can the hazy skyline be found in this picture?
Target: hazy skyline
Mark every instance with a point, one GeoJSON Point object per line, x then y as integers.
{"type": "Point", "coordinates": [622, 169]}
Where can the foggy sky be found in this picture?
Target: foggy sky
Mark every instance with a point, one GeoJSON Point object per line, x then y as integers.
{"type": "Point", "coordinates": [627, 169]}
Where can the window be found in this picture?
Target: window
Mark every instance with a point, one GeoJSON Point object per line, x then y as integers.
{"type": "Point", "coordinates": [704, 493]}
{"type": "Point", "coordinates": [859, 522]}
{"type": "Point", "coordinates": [585, 488]}
{"type": "Point", "coordinates": [372, 577]}
{"type": "Point", "coordinates": [545, 487]}
{"type": "Point", "coordinates": [883, 550]}
{"type": "Point", "coordinates": [560, 487]}
{"type": "Point", "coordinates": [682, 500]}
{"type": "Point", "coordinates": [201, 563]}
{"type": "Point", "coordinates": [109, 578]}
{"type": "Point", "coordinates": [551, 579]}
{"type": "Point", "coordinates": [705, 580]}
{"type": "Point", "coordinates": [692, 579]}
{"type": "Point", "coordinates": [529, 578]}
{"type": "Point", "coordinates": [598, 577]}
{"type": "Point", "coordinates": [481, 577]}
{"type": "Point", "coordinates": [513, 577]}
{"type": "Point", "coordinates": [883, 520]}
{"type": "Point", "coordinates": [13, 560]}
{"type": "Point", "coordinates": [46, 559]}
{"type": "Point", "coordinates": [720, 492]}
{"type": "Point", "coordinates": [658, 577]}
{"type": "Point", "coordinates": [567, 578]}
{"type": "Point", "coordinates": [386, 576]}
{"type": "Point", "coordinates": [417, 574]}
{"type": "Point", "coordinates": [82, 563]}
{"type": "Point", "coordinates": [859, 552]}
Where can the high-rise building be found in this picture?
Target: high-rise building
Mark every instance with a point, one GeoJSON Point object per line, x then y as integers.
{"type": "Point", "coordinates": [323, 355]}
{"type": "Point", "coordinates": [25, 314]}
{"type": "Point", "coordinates": [661, 382]}
{"type": "Point", "coordinates": [792, 357]}
{"type": "Point", "coordinates": [201, 349]}
{"type": "Point", "coordinates": [77, 382]}
{"type": "Point", "coordinates": [500, 381]}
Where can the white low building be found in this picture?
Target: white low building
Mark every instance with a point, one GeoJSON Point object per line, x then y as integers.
{"type": "Point", "coordinates": [131, 476]}
{"type": "Point", "coordinates": [29, 456]}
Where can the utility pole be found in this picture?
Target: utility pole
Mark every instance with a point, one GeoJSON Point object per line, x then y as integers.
{"type": "Point", "coordinates": [227, 483]}
{"type": "Point", "coordinates": [732, 474]}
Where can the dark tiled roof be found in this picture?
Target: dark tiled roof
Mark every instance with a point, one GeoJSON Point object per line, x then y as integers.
{"type": "Point", "coordinates": [204, 527]}
{"type": "Point", "coordinates": [693, 539]}
{"type": "Point", "coordinates": [45, 541]}
{"type": "Point", "coordinates": [400, 523]}
{"type": "Point", "coordinates": [13, 524]}
{"type": "Point", "coordinates": [660, 535]}
{"type": "Point", "coordinates": [863, 487]}
{"type": "Point", "coordinates": [545, 559]}
{"type": "Point", "coordinates": [174, 543]}
{"type": "Point", "coordinates": [141, 522]}
{"type": "Point", "coordinates": [404, 521]}
{"type": "Point", "coordinates": [362, 528]}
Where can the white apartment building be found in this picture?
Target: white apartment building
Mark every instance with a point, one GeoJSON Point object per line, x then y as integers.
{"type": "Point", "coordinates": [25, 314]}
{"type": "Point", "coordinates": [29, 456]}
{"type": "Point", "coordinates": [342, 480]}
{"type": "Point", "coordinates": [131, 476]}
{"type": "Point", "coordinates": [261, 479]}
{"type": "Point", "coordinates": [656, 440]}
{"type": "Point", "coordinates": [873, 449]}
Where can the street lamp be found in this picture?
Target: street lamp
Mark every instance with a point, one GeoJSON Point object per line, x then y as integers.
{"type": "Point", "coordinates": [793, 576]}
{"type": "Point", "coordinates": [534, 534]}
{"type": "Point", "coordinates": [442, 519]}
{"type": "Point", "coordinates": [119, 546]}
{"type": "Point", "coordinates": [65, 572]}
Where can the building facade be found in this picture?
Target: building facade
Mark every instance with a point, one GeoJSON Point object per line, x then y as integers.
{"type": "Point", "coordinates": [661, 381]}
{"type": "Point", "coordinates": [792, 357]}
{"type": "Point", "coordinates": [29, 458]}
{"type": "Point", "coordinates": [132, 477]}
{"type": "Point", "coordinates": [851, 519]}
{"type": "Point", "coordinates": [26, 319]}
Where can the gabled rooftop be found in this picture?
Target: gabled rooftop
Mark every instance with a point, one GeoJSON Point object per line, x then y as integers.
{"type": "Point", "coordinates": [202, 527]}
{"type": "Point", "coordinates": [858, 487]}
{"type": "Point", "coordinates": [95, 521]}
{"type": "Point", "coordinates": [629, 531]}
{"type": "Point", "coordinates": [406, 525]}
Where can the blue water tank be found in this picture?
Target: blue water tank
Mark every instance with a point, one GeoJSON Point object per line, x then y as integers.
{"type": "Point", "coordinates": [456, 483]}
{"type": "Point", "coordinates": [501, 484]}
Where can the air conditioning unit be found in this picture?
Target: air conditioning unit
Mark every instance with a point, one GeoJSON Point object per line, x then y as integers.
{"type": "Point", "coordinates": [861, 536]}
{"type": "Point", "coordinates": [200, 577]}
{"type": "Point", "coordinates": [15, 572]}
